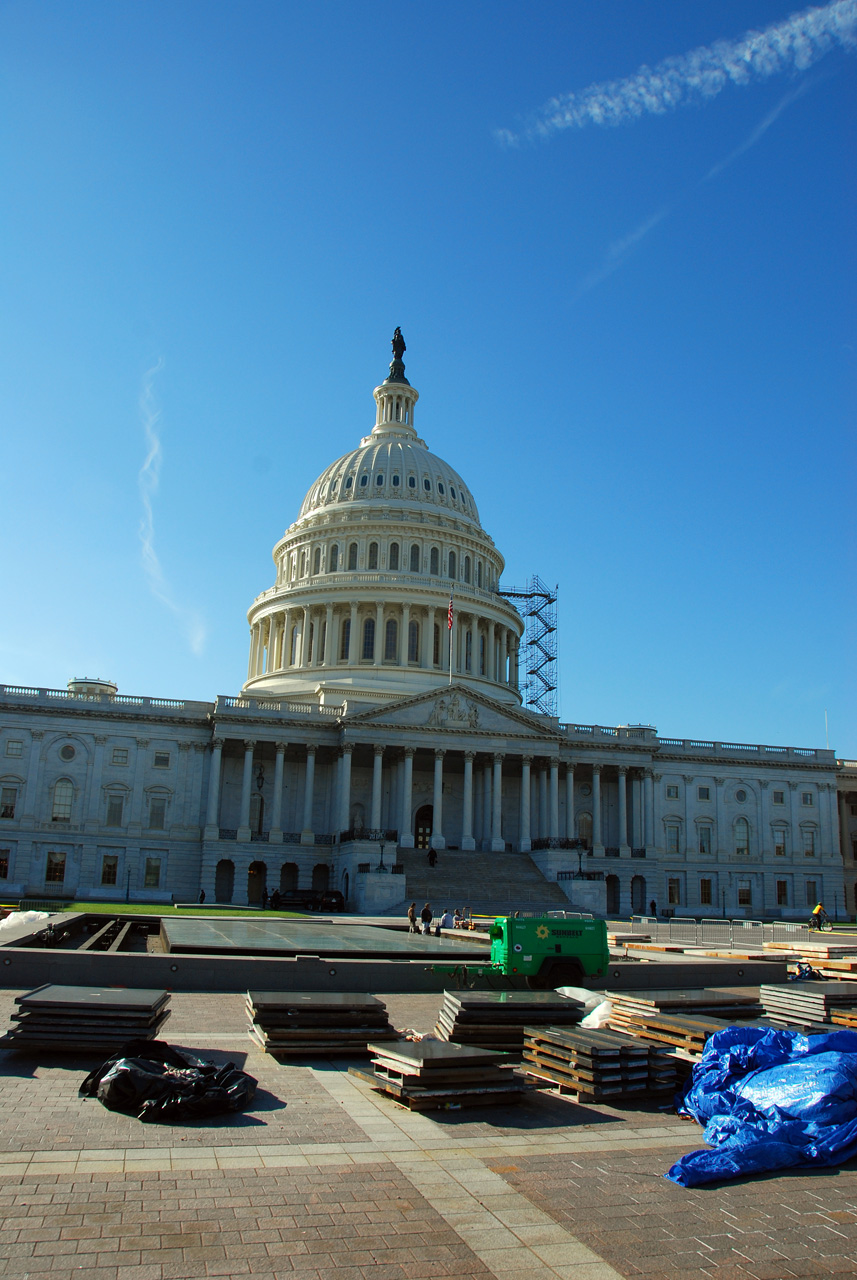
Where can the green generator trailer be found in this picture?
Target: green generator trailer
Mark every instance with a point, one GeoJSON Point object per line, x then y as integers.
{"type": "Point", "coordinates": [546, 951]}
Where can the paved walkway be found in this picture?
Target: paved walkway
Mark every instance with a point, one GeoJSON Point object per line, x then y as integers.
{"type": "Point", "coordinates": [327, 1179]}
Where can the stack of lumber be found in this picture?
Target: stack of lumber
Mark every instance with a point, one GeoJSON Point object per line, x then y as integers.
{"type": "Point", "coordinates": [810, 1004]}
{"type": "Point", "coordinates": [430, 1074]}
{"type": "Point", "coordinates": [595, 1065]}
{"type": "Point", "coordinates": [300, 1023]}
{"type": "Point", "coordinates": [496, 1019]}
{"type": "Point", "coordinates": [71, 1019]}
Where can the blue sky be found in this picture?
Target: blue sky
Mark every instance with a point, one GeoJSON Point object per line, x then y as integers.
{"type": "Point", "coordinates": [635, 341]}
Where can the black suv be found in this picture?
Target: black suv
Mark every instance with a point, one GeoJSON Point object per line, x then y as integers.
{"type": "Point", "coordinates": [311, 900]}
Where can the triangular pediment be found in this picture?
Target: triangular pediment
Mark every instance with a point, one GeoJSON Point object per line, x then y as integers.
{"type": "Point", "coordinates": [456, 709]}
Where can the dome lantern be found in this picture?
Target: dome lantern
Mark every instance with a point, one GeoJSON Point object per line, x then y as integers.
{"type": "Point", "coordinates": [395, 398]}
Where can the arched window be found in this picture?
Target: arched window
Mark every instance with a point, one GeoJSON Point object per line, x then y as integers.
{"type": "Point", "coordinates": [742, 837]}
{"type": "Point", "coordinates": [394, 555]}
{"type": "Point", "coordinates": [379, 479]}
{"type": "Point", "coordinates": [468, 651]}
{"type": "Point", "coordinates": [434, 561]}
{"type": "Point", "coordinates": [369, 639]}
{"type": "Point", "coordinates": [482, 655]}
{"type": "Point", "coordinates": [584, 828]}
{"type": "Point", "coordinates": [435, 652]}
{"type": "Point", "coordinates": [413, 642]}
{"type": "Point", "coordinates": [344, 639]}
{"type": "Point", "coordinates": [452, 564]}
{"type": "Point", "coordinates": [415, 558]}
{"type": "Point", "coordinates": [333, 562]}
{"type": "Point", "coordinates": [391, 637]}
{"type": "Point", "coordinates": [479, 573]}
{"type": "Point", "coordinates": [352, 556]}
{"type": "Point", "coordinates": [63, 801]}
{"type": "Point", "coordinates": [316, 560]}
{"type": "Point", "coordinates": [467, 568]}
{"type": "Point", "coordinates": [303, 564]}
{"type": "Point", "coordinates": [373, 555]}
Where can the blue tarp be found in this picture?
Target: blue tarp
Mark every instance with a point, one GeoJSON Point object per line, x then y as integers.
{"type": "Point", "coordinates": [770, 1100]}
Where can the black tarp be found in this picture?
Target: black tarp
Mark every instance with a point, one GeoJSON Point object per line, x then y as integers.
{"type": "Point", "coordinates": [153, 1081]}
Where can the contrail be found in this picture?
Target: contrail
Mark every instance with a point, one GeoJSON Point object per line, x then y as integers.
{"type": "Point", "coordinates": [148, 479]}
{"type": "Point", "coordinates": [792, 45]}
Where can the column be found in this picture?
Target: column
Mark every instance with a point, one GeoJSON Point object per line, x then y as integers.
{"type": "Point", "coordinates": [498, 844]}
{"type": "Point", "coordinates": [526, 842]}
{"type": "Point", "coordinates": [379, 633]}
{"type": "Point", "coordinates": [427, 646]}
{"type": "Point", "coordinates": [843, 827]}
{"type": "Point", "coordinates": [377, 779]}
{"type": "Point", "coordinates": [720, 815]}
{"type": "Point", "coordinates": [328, 657]}
{"type": "Point", "coordinates": [95, 780]}
{"type": "Point", "coordinates": [467, 841]}
{"type": "Point", "coordinates": [554, 800]}
{"type": "Point", "coordinates": [437, 838]}
{"type": "Point", "coordinates": [212, 825]}
{"type": "Point", "coordinates": [251, 663]}
{"type": "Point", "coordinates": [486, 807]}
{"type": "Point", "coordinates": [31, 791]}
{"type": "Point", "coordinates": [569, 802]}
{"type": "Point", "coordinates": [306, 656]}
{"type": "Point", "coordinates": [183, 788]}
{"type": "Point", "coordinates": [649, 806]}
{"type": "Point", "coordinates": [544, 829]}
{"type": "Point", "coordinates": [406, 835]}
{"type": "Point", "coordinates": [307, 832]}
{"type": "Point", "coordinates": [246, 787]}
{"type": "Point", "coordinates": [353, 639]}
{"type": "Point", "coordinates": [636, 806]}
{"type": "Point", "coordinates": [136, 816]}
{"type": "Point", "coordinates": [344, 787]}
{"type": "Point", "coordinates": [597, 842]}
{"type": "Point", "coordinates": [275, 835]}
{"type": "Point", "coordinates": [623, 812]}
{"type": "Point", "coordinates": [765, 843]}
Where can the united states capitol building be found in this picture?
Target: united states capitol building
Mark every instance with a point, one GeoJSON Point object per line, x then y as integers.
{"type": "Point", "coordinates": [368, 730]}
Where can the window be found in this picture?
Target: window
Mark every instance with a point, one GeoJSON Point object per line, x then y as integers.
{"type": "Point", "coordinates": [705, 893]}
{"type": "Point", "coordinates": [434, 561]}
{"type": "Point", "coordinates": [369, 639]}
{"type": "Point", "coordinates": [344, 639]}
{"type": "Point", "coordinates": [435, 651]}
{"type": "Point", "coordinates": [152, 874]}
{"type": "Point", "coordinates": [440, 488]}
{"type": "Point", "coordinates": [703, 793]}
{"type": "Point", "coordinates": [415, 558]}
{"type": "Point", "coordinates": [413, 642]}
{"type": "Point", "coordinates": [427, 485]}
{"type": "Point", "coordinates": [394, 555]}
{"type": "Point", "coordinates": [745, 893]}
{"type": "Point", "coordinates": [115, 805]}
{"type": "Point", "coordinates": [782, 893]}
{"type": "Point", "coordinates": [67, 752]}
{"type": "Point", "coordinates": [157, 813]}
{"type": "Point", "coordinates": [412, 482]}
{"type": "Point", "coordinates": [109, 868]}
{"type": "Point", "coordinates": [779, 797]}
{"type": "Point", "coordinates": [333, 559]}
{"type": "Point", "coordinates": [8, 800]}
{"type": "Point", "coordinates": [672, 791]}
{"type": "Point", "coordinates": [55, 868]}
{"type": "Point", "coordinates": [63, 800]}
{"type": "Point", "coordinates": [811, 889]}
{"type": "Point", "coordinates": [674, 892]}
{"type": "Point", "coordinates": [316, 560]}
{"type": "Point", "coordinates": [373, 555]}
{"type": "Point", "coordinates": [303, 564]}
{"type": "Point", "coordinates": [352, 556]}
{"type": "Point", "coordinates": [349, 481]}
{"type": "Point", "coordinates": [742, 838]}
{"type": "Point", "coordinates": [14, 748]}
{"type": "Point", "coordinates": [379, 479]}
{"type": "Point", "coordinates": [161, 760]}
{"type": "Point", "coordinates": [467, 568]}
{"type": "Point", "coordinates": [705, 839]}
{"type": "Point", "coordinates": [395, 482]}
{"type": "Point", "coordinates": [391, 638]}
{"type": "Point", "coordinates": [452, 493]}
{"type": "Point", "coordinates": [4, 864]}
{"type": "Point", "coordinates": [740, 796]}
{"type": "Point", "coordinates": [482, 655]}
{"type": "Point", "coordinates": [468, 651]}
{"type": "Point", "coordinates": [672, 838]}
{"type": "Point", "coordinates": [479, 573]}
{"type": "Point", "coordinates": [120, 755]}
{"type": "Point", "coordinates": [364, 480]}
{"type": "Point", "coordinates": [807, 799]}
{"type": "Point", "coordinates": [452, 565]}
{"type": "Point", "coordinates": [809, 843]}
{"type": "Point", "coordinates": [780, 841]}
{"type": "Point", "coordinates": [293, 647]}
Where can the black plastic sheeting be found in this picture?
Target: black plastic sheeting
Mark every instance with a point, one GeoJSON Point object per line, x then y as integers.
{"type": "Point", "coordinates": [151, 1080]}
{"type": "Point", "coordinates": [770, 1099]}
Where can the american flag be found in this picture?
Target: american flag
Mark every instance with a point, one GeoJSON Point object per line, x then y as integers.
{"type": "Point", "coordinates": [449, 615]}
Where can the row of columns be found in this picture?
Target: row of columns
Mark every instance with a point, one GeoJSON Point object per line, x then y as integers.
{"type": "Point", "coordinates": [275, 834]}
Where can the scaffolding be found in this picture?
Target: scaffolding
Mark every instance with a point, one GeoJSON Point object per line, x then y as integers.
{"type": "Point", "coordinates": [537, 672]}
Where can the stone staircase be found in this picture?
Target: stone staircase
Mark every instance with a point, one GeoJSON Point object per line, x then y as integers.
{"type": "Point", "coordinates": [489, 883]}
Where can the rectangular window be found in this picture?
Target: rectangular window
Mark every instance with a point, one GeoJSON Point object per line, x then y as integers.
{"type": "Point", "coordinates": [809, 844]}
{"type": "Point", "coordinates": [115, 805]}
{"type": "Point", "coordinates": [435, 651]}
{"type": "Point", "coordinates": [344, 638]}
{"type": "Point", "coordinates": [780, 843]}
{"type": "Point", "coordinates": [120, 755]}
{"type": "Point", "coordinates": [672, 839]}
{"type": "Point", "coordinates": [672, 791]}
{"type": "Point", "coordinates": [807, 799]}
{"type": "Point", "coordinates": [4, 864]}
{"type": "Point", "coordinates": [703, 793]}
{"type": "Point", "coordinates": [55, 869]}
{"type": "Point", "coordinates": [674, 892]}
{"type": "Point", "coordinates": [782, 893]}
{"type": "Point", "coordinates": [745, 894]}
{"type": "Point", "coordinates": [158, 813]}
{"type": "Point", "coordinates": [161, 760]}
{"type": "Point", "coordinates": [14, 748]}
{"type": "Point", "coordinates": [8, 800]}
{"type": "Point", "coordinates": [153, 873]}
{"type": "Point", "coordinates": [811, 893]}
{"type": "Point", "coordinates": [109, 868]}
{"type": "Point", "coordinates": [779, 797]}
{"type": "Point", "coordinates": [705, 839]}
{"type": "Point", "coordinates": [705, 893]}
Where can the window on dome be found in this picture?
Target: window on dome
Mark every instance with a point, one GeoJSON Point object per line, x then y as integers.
{"type": "Point", "coordinates": [467, 568]}
{"type": "Point", "coordinates": [395, 482]}
{"type": "Point", "coordinates": [412, 482]}
{"type": "Point", "coordinates": [413, 642]}
{"type": "Point", "coordinates": [352, 556]}
{"type": "Point", "coordinates": [452, 564]}
{"type": "Point", "coordinates": [344, 639]}
{"type": "Point", "coordinates": [434, 561]}
{"type": "Point", "coordinates": [435, 650]}
{"type": "Point", "coordinates": [293, 647]}
{"type": "Point", "coordinates": [427, 485]}
{"type": "Point", "coordinates": [394, 555]}
{"type": "Point", "coordinates": [440, 488]}
{"type": "Point", "coordinates": [333, 561]}
{"type": "Point", "coordinates": [316, 560]}
{"type": "Point", "coordinates": [452, 493]}
{"type": "Point", "coordinates": [391, 639]}
{"type": "Point", "coordinates": [333, 485]}
{"type": "Point", "coordinates": [373, 555]}
{"type": "Point", "coordinates": [364, 480]}
{"type": "Point", "coordinates": [379, 479]}
{"type": "Point", "coordinates": [349, 481]}
{"type": "Point", "coordinates": [303, 564]}
{"type": "Point", "coordinates": [415, 558]}
{"type": "Point", "coordinates": [479, 573]}
{"type": "Point", "coordinates": [468, 651]}
{"type": "Point", "coordinates": [482, 655]}
{"type": "Point", "coordinates": [368, 639]}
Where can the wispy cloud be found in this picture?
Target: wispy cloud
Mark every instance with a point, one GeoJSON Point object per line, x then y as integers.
{"type": "Point", "coordinates": [148, 480]}
{"type": "Point", "coordinates": [792, 45]}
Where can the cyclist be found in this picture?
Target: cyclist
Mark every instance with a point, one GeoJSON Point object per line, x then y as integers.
{"type": "Point", "coordinates": [819, 918]}
{"type": "Point", "coordinates": [819, 912]}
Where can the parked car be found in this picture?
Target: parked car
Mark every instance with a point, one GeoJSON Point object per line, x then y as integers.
{"type": "Point", "coordinates": [311, 900]}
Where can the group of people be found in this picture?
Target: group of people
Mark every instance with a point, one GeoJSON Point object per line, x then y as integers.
{"type": "Point", "coordinates": [422, 923]}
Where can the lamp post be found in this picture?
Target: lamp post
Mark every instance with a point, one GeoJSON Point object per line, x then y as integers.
{"type": "Point", "coordinates": [381, 866]}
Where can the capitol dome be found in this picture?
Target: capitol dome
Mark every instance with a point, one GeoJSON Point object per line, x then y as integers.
{"type": "Point", "coordinates": [384, 537]}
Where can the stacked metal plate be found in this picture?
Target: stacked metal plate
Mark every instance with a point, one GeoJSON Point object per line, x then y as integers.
{"type": "Point", "coordinates": [429, 1074]}
{"type": "Point", "coordinates": [496, 1019]}
{"type": "Point", "coordinates": [810, 1003]}
{"type": "Point", "coordinates": [301, 1023]}
{"type": "Point", "coordinates": [595, 1065]}
{"type": "Point", "coordinates": [71, 1019]}
{"type": "Point", "coordinates": [639, 1012]}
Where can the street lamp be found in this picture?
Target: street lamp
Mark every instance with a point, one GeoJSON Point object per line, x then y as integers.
{"type": "Point", "coordinates": [381, 866]}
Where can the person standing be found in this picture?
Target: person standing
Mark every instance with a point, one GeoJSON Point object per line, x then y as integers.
{"type": "Point", "coordinates": [426, 917]}
{"type": "Point", "coordinates": [413, 927]}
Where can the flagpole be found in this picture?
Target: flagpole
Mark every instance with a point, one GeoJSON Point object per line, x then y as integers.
{"type": "Point", "coordinates": [450, 621]}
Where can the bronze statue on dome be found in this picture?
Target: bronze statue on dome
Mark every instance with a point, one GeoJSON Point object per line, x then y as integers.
{"type": "Point", "coordinates": [398, 344]}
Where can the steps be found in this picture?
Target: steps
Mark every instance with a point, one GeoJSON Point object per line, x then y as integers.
{"type": "Point", "coordinates": [489, 883]}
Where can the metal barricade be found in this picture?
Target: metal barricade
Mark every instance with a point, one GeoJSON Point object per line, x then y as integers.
{"type": "Point", "coordinates": [747, 933]}
{"type": "Point", "coordinates": [682, 930]}
{"type": "Point", "coordinates": [789, 931]}
{"type": "Point", "coordinates": [645, 924]}
{"type": "Point", "coordinates": [716, 933]}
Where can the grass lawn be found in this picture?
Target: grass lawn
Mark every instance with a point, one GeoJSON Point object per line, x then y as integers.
{"type": "Point", "coordinates": [161, 909]}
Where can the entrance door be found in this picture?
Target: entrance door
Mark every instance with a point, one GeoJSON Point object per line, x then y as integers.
{"type": "Point", "coordinates": [423, 827]}
{"type": "Point", "coordinates": [224, 880]}
{"type": "Point", "coordinates": [612, 895]}
{"type": "Point", "coordinates": [638, 896]}
{"type": "Point", "coordinates": [257, 876]}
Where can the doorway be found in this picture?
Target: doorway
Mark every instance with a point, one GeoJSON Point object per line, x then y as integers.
{"type": "Point", "coordinates": [257, 877]}
{"type": "Point", "coordinates": [423, 827]}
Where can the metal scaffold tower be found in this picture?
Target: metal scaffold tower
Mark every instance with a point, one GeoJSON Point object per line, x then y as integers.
{"type": "Point", "coordinates": [537, 677]}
